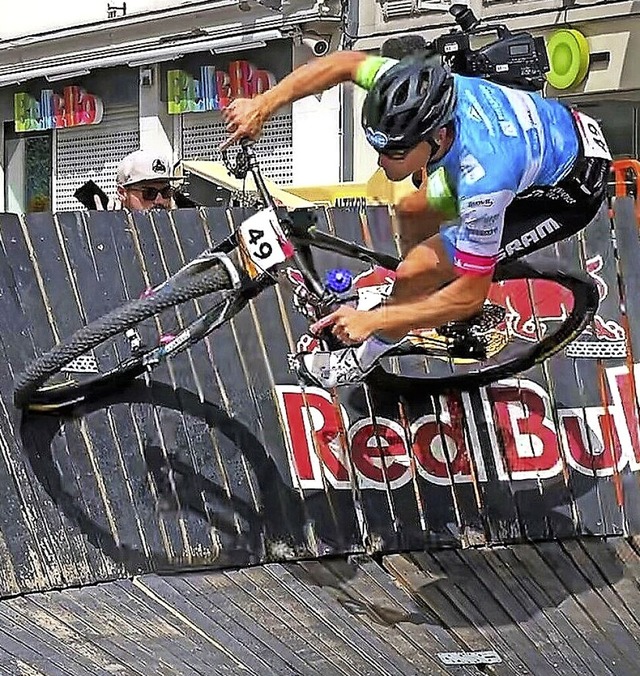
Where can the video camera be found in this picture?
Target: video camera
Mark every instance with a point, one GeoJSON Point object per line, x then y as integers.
{"type": "Point", "coordinates": [516, 60]}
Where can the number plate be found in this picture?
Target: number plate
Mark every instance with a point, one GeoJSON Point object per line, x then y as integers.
{"type": "Point", "coordinates": [593, 140]}
{"type": "Point", "coordinates": [261, 242]}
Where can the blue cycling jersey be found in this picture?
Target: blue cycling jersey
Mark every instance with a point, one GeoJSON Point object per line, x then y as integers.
{"type": "Point", "coordinates": [506, 140]}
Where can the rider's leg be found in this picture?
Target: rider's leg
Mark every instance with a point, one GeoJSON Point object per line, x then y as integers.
{"type": "Point", "coordinates": [544, 215]}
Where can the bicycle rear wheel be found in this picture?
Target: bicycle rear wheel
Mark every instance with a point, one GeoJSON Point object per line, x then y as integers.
{"type": "Point", "coordinates": [545, 308]}
{"type": "Point", "coordinates": [75, 368]}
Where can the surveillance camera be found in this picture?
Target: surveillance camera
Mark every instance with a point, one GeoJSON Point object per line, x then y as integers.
{"type": "Point", "coordinates": [318, 46]}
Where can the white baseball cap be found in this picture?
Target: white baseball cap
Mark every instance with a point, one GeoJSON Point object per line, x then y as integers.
{"type": "Point", "coordinates": [144, 165]}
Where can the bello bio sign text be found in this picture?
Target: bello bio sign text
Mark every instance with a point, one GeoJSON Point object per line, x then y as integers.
{"type": "Point", "coordinates": [73, 108]}
{"type": "Point", "coordinates": [215, 88]}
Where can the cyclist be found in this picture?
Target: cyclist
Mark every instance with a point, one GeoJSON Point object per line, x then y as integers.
{"type": "Point", "coordinates": [507, 172]}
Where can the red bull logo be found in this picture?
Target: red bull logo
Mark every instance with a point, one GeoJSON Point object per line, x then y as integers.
{"type": "Point", "coordinates": [534, 305]}
{"type": "Point", "coordinates": [529, 440]}
{"type": "Point", "coordinates": [531, 305]}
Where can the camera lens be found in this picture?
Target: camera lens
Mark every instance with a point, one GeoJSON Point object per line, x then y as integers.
{"type": "Point", "coordinates": [464, 16]}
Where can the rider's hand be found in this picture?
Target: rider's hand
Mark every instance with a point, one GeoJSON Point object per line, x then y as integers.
{"type": "Point", "coordinates": [244, 118]}
{"type": "Point", "coordinates": [350, 326]}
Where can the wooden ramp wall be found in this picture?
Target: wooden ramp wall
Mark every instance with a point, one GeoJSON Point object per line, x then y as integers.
{"type": "Point", "coordinates": [224, 460]}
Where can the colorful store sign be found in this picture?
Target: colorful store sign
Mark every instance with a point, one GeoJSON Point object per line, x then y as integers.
{"type": "Point", "coordinates": [215, 88]}
{"type": "Point", "coordinates": [73, 108]}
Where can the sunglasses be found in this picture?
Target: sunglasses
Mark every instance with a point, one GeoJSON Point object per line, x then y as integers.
{"type": "Point", "coordinates": [395, 154]}
{"type": "Point", "coordinates": [149, 193]}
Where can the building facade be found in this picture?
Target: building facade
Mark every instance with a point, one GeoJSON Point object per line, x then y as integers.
{"type": "Point", "coordinates": [83, 85]}
{"type": "Point", "coordinates": [609, 91]}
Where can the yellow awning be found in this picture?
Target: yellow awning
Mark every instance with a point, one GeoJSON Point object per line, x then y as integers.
{"type": "Point", "coordinates": [377, 190]}
{"type": "Point", "coordinates": [217, 173]}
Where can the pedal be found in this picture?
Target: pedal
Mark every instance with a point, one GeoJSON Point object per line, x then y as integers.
{"type": "Point", "coordinates": [85, 363]}
{"type": "Point", "coordinates": [135, 342]}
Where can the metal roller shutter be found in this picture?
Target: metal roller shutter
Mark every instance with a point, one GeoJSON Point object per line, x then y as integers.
{"type": "Point", "coordinates": [93, 152]}
{"type": "Point", "coordinates": [202, 133]}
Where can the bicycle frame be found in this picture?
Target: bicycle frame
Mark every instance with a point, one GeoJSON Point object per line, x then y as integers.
{"type": "Point", "coordinates": [300, 228]}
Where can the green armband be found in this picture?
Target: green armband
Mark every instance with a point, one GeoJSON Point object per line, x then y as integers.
{"type": "Point", "coordinates": [439, 194]}
{"type": "Point", "coordinates": [371, 69]}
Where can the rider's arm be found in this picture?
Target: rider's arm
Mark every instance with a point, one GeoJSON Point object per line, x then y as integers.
{"type": "Point", "coordinates": [484, 195]}
{"type": "Point", "coordinates": [415, 220]}
{"type": "Point", "coordinates": [246, 117]}
{"type": "Point", "coordinates": [460, 299]}
{"type": "Point", "coordinates": [420, 214]}
{"type": "Point", "coordinates": [312, 78]}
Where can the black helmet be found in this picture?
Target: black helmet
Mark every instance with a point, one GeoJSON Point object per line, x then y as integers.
{"type": "Point", "coordinates": [410, 101]}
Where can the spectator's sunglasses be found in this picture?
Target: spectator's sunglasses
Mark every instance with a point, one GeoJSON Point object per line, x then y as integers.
{"type": "Point", "coordinates": [149, 193]}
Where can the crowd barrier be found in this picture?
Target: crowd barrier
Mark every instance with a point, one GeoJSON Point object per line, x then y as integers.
{"type": "Point", "coordinates": [223, 459]}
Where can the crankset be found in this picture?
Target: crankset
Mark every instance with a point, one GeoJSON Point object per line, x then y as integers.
{"type": "Point", "coordinates": [469, 339]}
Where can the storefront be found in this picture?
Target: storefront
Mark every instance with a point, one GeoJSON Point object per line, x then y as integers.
{"type": "Point", "coordinates": [59, 134]}
{"type": "Point", "coordinates": [196, 87]}
{"type": "Point", "coordinates": [74, 113]}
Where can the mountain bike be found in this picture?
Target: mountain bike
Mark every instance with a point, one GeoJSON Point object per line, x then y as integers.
{"type": "Point", "coordinates": [112, 350]}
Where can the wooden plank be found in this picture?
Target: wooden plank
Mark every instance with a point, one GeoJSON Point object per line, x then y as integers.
{"type": "Point", "coordinates": [362, 646]}
{"type": "Point", "coordinates": [476, 602]}
{"type": "Point", "coordinates": [99, 628]}
{"type": "Point", "coordinates": [65, 301]}
{"type": "Point", "coordinates": [177, 438]}
{"type": "Point", "coordinates": [553, 593]}
{"type": "Point", "coordinates": [280, 658]}
{"type": "Point", "coordinates": [236, 595]}
{"type": "Point", "coordinates": [598, 600]}
{"type": "Point", "coordinates": [315, 438]}
{"type": "Point", "coordinates": [230, 640]}
{"type": "Point", "coordinates": [421, 576]}
{"type": "Point", "coordinates": [385, 609]}
{"type": "Point", "coordinates": [624, 383]}
{"type": "Point", "coordinates": [547, 595]}
{"type": "Point", "coordinates": [155, 629]}
{"type": "Point", "coordinates": [62, 552]}
{"type": "Point", "coordinates": [55, 628]}
{"type": "Point", "coordinates": [328, 631]}
{"type": "Point", "coordinates": [502, 583]}
{"type": "Point", "coordinates": [29, 642]}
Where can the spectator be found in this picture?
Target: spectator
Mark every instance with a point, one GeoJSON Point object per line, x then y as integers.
{"type": "Point", "coordinates": [146, 180]}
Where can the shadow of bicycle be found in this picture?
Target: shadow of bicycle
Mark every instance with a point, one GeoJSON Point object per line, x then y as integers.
{"type": "Point", "coordinates": [273, 525]}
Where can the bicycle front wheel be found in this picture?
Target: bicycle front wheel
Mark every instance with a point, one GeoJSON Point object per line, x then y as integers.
{"type": "Point", "coordinates": [75, 368]}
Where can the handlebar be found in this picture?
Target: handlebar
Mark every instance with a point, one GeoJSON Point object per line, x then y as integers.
{"type": "Point", "coordinates": [247, 161]}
